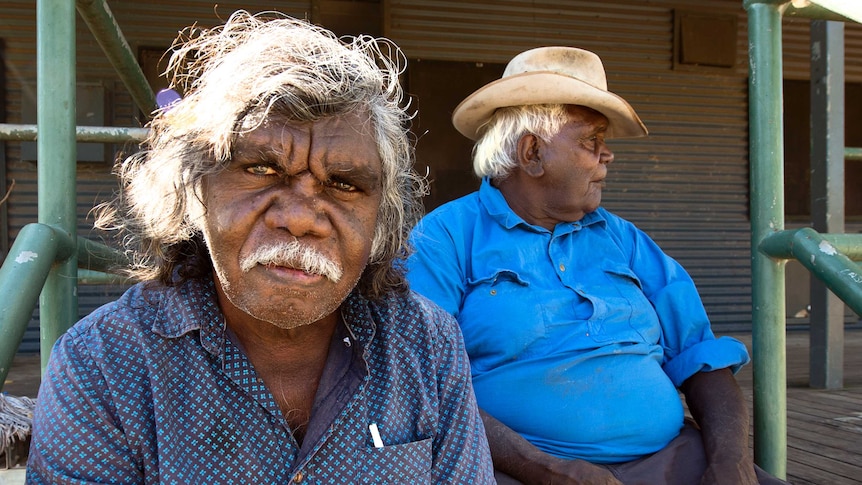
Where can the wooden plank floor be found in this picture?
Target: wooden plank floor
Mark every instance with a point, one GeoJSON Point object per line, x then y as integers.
{"type": "Point", "coordinates": [824, 436]}
{"type": "Point", "coordinates": [824, 428]}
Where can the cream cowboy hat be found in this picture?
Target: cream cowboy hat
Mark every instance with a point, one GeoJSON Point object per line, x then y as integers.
{"type": "Point", "coordinates": [550, 75]}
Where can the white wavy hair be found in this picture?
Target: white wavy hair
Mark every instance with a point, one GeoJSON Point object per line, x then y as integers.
{"type": "Point", "coordinates": [494, 154]}
{"type": "Point", "coordinates": [234, 77]}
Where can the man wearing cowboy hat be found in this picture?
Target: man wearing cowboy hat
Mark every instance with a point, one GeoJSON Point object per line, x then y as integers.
{"type": "Point", "coordinates": [580, 330]}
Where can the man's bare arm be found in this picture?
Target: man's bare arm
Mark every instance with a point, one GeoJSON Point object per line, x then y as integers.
{"type": "Point", "coordinates": [520, 459]}
{"type": "Point", "coordinates": [717, 405]}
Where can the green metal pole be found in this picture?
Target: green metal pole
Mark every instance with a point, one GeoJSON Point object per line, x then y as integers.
{"type": "Point", "coordinates": [98, 257]}
{"type": "Point", "coordinates": [826, 330]}
{"type": "Point", "coordinates": [55, 91]}
{"type": "Point", "coordinates": [848, 244]}
{"type": "Point", "coordinates": [27, 265]}
{"type": "Point", "coordinates": [853, 153]}
{"type": "Point", "coordinates": [105, 29]}
{"type": "Point", "coordinates": [88, 277]}
{"type": "Point", "coordinates": [95, 134]}
{"type": "Point", "coordinates": [767, 216]}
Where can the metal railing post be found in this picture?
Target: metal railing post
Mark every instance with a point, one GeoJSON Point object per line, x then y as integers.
{"type": "Point", "coordinates": [108, 34]}
{"type": "Point", "coordinates": [55, 90]}
{"type": "Point", "coordinates": [826, 334]}
{"type": "Point", "coordinates": [767, 216]}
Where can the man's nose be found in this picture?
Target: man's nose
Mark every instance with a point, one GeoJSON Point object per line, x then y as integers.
{"type": "Point", "coordinates": [606, 155]}
{"type": "Point", "coordinates": [297, 207]}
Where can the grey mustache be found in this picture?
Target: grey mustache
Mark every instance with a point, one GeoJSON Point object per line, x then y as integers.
{"type": "Point", "coordinates": [293, 255]}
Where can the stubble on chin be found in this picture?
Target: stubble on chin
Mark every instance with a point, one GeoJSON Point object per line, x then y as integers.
{"type": "Point", "coordinates": [293, 308]}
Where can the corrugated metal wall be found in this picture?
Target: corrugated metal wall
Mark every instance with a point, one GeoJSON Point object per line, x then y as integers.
{"type": "Point", "coordinates": [145, 24]}
{"type": "Point", "coordinates": [687, 184]}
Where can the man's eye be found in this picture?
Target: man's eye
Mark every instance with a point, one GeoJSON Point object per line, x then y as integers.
{"type": "Point", "coordinates": [593, 142]}
{"type": "Point", "coordinates": [260, 170]}
{"type": "Point", "coordinates": [341, 185]}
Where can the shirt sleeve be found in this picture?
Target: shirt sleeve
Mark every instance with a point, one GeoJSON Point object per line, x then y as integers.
{"type": "Point", "coordinates": [76, 437]}
{"type": "Point", "coordinates": [435, 269]}
{"type": "Point", "coordinates": [687, 339]}
{"type": "Point", "coordinates": [460, 451]}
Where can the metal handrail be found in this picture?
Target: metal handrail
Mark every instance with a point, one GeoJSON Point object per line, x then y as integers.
{"type": "Point", "coordinates": [770, 243]}
{"type": "Point", "coordinates": [36, 249]}
{"type": "Point", "coordinates": [45, 256]}
{"type": "Point", "coordinates": [31, 258]}
{"type": "Point", "coordinates": [823, 259]}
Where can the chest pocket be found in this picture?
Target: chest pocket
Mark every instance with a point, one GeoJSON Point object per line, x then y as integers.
{"type": "Point", "coordinates": [621, 311]}
{"type": "Point", "coordinates": [501, 319]}
{"type": "Point", "coordinates": [408, 463]}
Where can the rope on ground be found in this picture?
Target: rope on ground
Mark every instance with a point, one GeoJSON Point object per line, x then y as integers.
{"type": "Point", "coordinates": [16, 419]}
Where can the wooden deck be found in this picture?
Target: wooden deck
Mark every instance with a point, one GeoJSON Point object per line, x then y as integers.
{"type": "Point", "coordinates": [824, 428]}
{"type": "Point", "coordinates": [824, 433]}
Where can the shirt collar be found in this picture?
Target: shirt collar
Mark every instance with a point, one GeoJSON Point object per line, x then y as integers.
{"type": "Point", "coordinates": [498, 209]}
{"type": "Point", "coordinates": [357, 314]}
{"type": "Point", "coordinates": [191, 306]}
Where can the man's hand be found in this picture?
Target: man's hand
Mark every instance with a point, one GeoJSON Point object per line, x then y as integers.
{"type": "Point", "coordinates": [518, 458]}
{"type": "Point", "coordinates": [717, 405]}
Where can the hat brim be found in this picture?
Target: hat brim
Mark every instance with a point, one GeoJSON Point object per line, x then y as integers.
{"type": "Point", "coordinates": [545, 87]}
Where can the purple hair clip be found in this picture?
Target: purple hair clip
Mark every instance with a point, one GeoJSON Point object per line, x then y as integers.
{"type": "Point", "coordinates": [166, 98]}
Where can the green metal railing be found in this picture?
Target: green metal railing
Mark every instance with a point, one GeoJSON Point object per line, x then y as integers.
{"type": "Point", "coordinates": [47, 259]}
{"type": "Point", "coordinates": [827, 256]}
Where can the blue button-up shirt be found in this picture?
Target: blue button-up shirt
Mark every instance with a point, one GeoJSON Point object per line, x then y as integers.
{"type": "Point", "coordinates": [578, 337]}
{"type": "Point", "coordinates": [151, 389]}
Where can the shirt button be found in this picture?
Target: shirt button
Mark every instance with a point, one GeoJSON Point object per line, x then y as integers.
{"type": "Point", "coordinates": [298, 477]}
{"type": "Point", "coordinates": [562, 267]}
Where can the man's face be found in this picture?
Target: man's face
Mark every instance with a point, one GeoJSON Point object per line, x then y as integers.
{"type": "Point", "coordinates": [575, 164]}
{"type": "Point", "coordinates": [314, 185]}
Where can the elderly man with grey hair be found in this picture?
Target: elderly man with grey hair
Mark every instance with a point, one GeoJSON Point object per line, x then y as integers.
{"type": "Point", "coordinates": [273, 338]}
{"type": "Point", "coordinates": [580, 330]}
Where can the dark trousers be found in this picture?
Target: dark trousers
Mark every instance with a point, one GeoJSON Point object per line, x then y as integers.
{"type": "Point", "coordinates": [681, 462]}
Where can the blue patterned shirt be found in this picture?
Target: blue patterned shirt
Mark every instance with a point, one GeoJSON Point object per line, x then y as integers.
{"type": "Point", "coordinates": [151, 389]}
{"type": "Point", "coordinates": [578, 337]}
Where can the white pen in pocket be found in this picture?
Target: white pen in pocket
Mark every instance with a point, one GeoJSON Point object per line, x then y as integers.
{"type": "Point", "coordinates": [375, 435]}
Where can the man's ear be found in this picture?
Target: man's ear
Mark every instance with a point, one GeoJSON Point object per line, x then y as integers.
{"type": "Point", "coordinates": [528, 158]}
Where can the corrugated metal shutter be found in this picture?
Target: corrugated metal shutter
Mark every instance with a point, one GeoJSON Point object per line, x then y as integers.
{"type": "Point", "coordinates": [151, 24]}
{"type": "Point", "coordinates": [687, 184]}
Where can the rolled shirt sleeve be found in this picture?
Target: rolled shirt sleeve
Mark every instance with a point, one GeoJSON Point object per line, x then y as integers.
{"type": "Point", "coordinates": [687, 339]}
{"type": "Point", "coordinates": [706, 356]}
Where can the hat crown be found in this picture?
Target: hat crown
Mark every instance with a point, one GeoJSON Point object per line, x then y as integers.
{"type": "Point", "coordinates": [579, 64]}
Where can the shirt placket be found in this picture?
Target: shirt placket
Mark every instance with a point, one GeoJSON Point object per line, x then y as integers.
{"type": "Point", "coordinates": [239, 369]}
{"type": "Point", "coordinates": [348, 425]}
